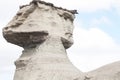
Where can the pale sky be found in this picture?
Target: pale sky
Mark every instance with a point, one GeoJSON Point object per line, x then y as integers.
{"type": "Point", "coordinates": [96, 34]}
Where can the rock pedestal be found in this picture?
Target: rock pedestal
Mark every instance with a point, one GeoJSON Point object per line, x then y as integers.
{"type": "Point", "coordinates": [45, 32]}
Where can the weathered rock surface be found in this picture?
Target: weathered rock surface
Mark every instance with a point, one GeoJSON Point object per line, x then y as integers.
{"type": "Point", "coordinates": [45, 32]}
{"type": "Point", "coordinates": [107, 72]}
{"type": "Point", "coordinates": [47, 61]}
{"type": "Point", "coordinates": [42, 18]}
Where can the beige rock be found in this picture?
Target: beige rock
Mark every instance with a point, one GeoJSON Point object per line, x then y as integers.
{"type": "Point", "coordinates": [40, 18]}
{"type": "Point", "coordinates": [107, 72]}
{"type": "Point", "coordinates": [45, 32]}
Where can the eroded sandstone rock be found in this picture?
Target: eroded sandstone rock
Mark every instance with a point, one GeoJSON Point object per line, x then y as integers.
{"type": "Point", "coordinates": [45, 32]}
{"type": "Point", "coordinates": [107, 72]}
{"type": "Point", "coordinates": [42, 18]}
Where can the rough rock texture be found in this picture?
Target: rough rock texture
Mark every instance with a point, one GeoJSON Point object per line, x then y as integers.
{"type": "Point", "coordinates": [47, 61]}
{"type": "Point", "coordinates": [42, 18]}
{"type": "Point", "coordinates": [45, 32]}
{"type": "Point", "coordinates": [107, 72]}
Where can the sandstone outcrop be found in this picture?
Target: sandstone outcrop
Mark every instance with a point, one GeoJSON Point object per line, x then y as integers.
{"type": "Point", "coordinates": [107, 72]}
{"type": "Point", "coordinates": [45, 32]}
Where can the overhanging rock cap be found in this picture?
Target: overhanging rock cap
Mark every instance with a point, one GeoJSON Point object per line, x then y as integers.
{"type": "Point", "coordinates": [35, 21]}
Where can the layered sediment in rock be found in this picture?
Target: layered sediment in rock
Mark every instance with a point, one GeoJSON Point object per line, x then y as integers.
{"type": "Point", "coordinates": [47, 61]}
{"type": "Point", "coordinates": [41, 18]}
{"type": "Point", "coordinates": [107, 72]}
{"type": "Point", "coordinates": [45, 32]}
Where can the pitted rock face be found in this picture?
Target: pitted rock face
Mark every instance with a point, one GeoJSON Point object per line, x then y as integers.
{"type": "Point", "coordinates": [42, 18]}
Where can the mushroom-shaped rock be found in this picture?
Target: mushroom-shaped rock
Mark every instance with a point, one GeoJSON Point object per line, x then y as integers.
{"type": "Point", "coordinates": [45, 32]}
{"type": "Point", "coordinates": [34, 22]}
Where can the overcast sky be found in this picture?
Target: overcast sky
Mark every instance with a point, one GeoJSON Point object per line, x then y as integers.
{"type": "Point", "coordinates": [96, 34]}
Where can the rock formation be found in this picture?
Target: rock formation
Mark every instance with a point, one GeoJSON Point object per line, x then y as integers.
{"type": "Point", "coordinates": [107, 72]}
{"type": "Point", "coordinates": [45, 32]}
